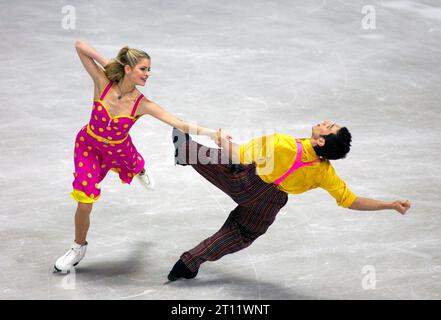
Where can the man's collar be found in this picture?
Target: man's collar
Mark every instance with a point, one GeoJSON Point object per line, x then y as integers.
{"type": "Point", "coordinates": [309, 149]}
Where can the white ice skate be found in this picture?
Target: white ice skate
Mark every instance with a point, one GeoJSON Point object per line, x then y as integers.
{"type": "Point", "coordinates": [75, 254]}
{"type": "Point", "coordinates": [146, 179]}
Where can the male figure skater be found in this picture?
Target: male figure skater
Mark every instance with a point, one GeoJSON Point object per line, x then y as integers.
{"type": "Point", "coordinates": [258, 176]}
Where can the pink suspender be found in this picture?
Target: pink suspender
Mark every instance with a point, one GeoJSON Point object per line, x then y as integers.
{"type": "Point", "coordinates": [109, 85]}
{"type": "Point", "coordinates": [297, 164]}
{"type": "Point", "coordinates": [136, 105]}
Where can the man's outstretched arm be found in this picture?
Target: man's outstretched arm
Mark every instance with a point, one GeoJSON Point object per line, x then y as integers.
{"type": "Point", "coordinates": [366, 204]}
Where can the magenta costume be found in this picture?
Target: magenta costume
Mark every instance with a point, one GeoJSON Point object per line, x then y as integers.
{"type": "Point", "coordinates": [104, 144]}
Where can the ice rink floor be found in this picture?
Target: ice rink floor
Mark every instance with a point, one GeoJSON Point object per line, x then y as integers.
{"type": "Point", "coordinates": [252, 68]}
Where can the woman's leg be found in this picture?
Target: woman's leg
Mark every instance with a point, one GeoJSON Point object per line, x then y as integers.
{"type": "Point", "coordinates": [78, 249]}
{"type": "Point", "coordinates": [82, 222]}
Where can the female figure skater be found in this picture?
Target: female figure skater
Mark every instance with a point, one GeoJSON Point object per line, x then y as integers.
{"type": "Point", "coordinates": [104, 143]}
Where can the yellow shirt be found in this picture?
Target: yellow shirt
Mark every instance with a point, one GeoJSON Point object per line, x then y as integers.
{"type": "Point", "coordinates": [274, 155]}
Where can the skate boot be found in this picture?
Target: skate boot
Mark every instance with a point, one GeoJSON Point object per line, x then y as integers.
{"type": "Point", "coordinates": [146, 179]}
{"type": "Point", "coordinates": [75, 254]}
{"type": "Point", "coordinates": [180, 270]}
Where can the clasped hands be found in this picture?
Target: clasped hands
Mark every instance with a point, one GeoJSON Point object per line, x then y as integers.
{"type": "Point", "coordinates": [221, 138]}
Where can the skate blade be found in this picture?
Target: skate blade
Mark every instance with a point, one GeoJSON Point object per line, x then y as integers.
{"type": "Point", "coordinates": [56, 270]}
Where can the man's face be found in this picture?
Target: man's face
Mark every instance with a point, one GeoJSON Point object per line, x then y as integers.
{"type": "Point", "coordinates": [325, 128]}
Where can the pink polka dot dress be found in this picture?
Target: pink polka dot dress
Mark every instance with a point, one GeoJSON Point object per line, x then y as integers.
{"type": "Point", "coordinates": [104, 144]}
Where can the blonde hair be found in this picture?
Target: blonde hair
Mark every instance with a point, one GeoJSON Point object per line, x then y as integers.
{"type": "Point", "coordinates": [114, 70]}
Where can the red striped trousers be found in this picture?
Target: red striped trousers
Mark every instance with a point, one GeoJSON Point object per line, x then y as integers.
{"type": "Point", "coordinates": [258, 204]}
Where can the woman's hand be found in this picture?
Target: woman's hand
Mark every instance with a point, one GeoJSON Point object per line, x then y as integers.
{"type": "Point", "coordinates": [89, 51]}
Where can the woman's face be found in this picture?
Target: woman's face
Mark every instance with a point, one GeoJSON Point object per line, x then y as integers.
{"type": "Point", "coordinates": [140, 73]}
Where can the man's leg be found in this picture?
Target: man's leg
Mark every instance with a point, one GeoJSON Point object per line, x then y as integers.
{"type": "Point", "coordinates": [238, 181]}
{"type": "Point", "coordinates": [242, 227]}
{"type": "Point", "coordinates": [230, 238]}
{"type": "Point", "coordinates": [209, 162]}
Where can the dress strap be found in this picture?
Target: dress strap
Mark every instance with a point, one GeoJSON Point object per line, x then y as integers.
{"type": "Point", "coordinates": [109, 85]}
{"type": "Point", "coordinates": [297, 163]}
{"type": "Point", "coordinates": [135, 106]}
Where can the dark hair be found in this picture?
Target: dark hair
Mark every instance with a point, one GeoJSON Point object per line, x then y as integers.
{"type": "Point", "coordinates": [336, 145]}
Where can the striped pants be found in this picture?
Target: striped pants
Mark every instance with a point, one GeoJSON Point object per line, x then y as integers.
{"type": "Point", "coordinates": [258, 204]}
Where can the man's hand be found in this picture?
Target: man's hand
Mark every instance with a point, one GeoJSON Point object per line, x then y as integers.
{"type": "Point", "coordinates": [367, 204]}
{"type": "Point", "coordinates": [221, 135]}
{"type": "Point", "coordinates": [228, 147]}
{"type": "Point", "coordinates": [402, 206]}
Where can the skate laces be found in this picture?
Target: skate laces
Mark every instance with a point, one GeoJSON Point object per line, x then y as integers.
{"type": "Point", "coordinates": [75, 251]}
{"type": "Point", "coordinates": [72, 254]}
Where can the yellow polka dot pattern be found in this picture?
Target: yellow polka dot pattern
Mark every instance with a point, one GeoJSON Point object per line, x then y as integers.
{"type": "Point", "coordinates": [94, 158]}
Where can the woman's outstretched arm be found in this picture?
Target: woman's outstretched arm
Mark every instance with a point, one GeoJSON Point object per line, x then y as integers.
{"type": "Point", "coordinates": [151, 108]}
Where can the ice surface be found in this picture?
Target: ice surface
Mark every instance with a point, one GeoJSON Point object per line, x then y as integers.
{"type": "Point", "coordinates": [251, 67]}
